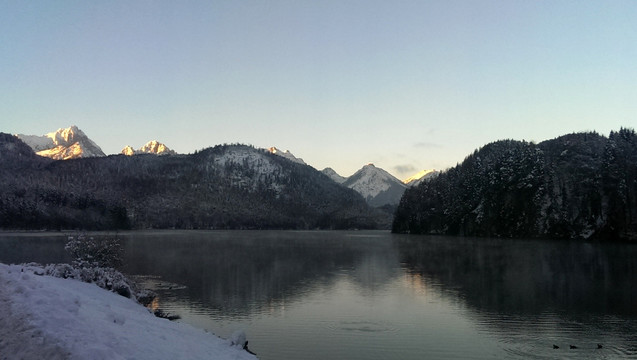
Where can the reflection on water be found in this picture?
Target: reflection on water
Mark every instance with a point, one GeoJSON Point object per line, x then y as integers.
{"type": "Point", "coordinates": [242, 273]}
{"type": "Point", "coordinates": [530, 293]}
{"type": "Point", "coordinates": [33, 247]}
{"type": "Point", "coordinates": [528, 276]}
{"type": "Point", "coordinates": [374, 295]}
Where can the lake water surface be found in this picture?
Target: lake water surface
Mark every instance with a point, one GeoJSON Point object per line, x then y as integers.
{"type": "Point", "coordinates": [376, 295]}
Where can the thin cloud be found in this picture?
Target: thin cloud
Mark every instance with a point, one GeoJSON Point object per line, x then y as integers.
{"type": "Point", "coordinates": [403, 169]}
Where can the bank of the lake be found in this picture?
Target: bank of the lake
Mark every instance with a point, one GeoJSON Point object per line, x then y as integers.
{"type": "Point", "coordinates": [51, 318]}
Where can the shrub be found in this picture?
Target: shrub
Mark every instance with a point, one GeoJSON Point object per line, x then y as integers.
{"type": "Point", "coordinates": [90, 251]}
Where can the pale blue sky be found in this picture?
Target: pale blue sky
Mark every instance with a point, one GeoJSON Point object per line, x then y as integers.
{"type": "Point", "coordinates": [407, 85]}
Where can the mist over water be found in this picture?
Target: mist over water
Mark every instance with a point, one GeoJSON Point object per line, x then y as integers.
{"type": "Point", "coordinates": [375, 295]}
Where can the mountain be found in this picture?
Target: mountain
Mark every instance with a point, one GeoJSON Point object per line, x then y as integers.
{"type": "Point", "coordinates": [377, 186]}
{"type": "Point", "coordinates": [224, 187]}
{"type": "Point", "coordinates": [151, 147]}
{"type": "Point", "coordinates": [577, 186]}
{"type": "Point", "coordinates": [419, 177]}
{"type": "Point", "coordinates": [128, 151]}
{"type": "Point", "coordinates": [286, 154]}
{"type": "Point", "coordinates": [334, 175]}
{"type": "Point", "coordinates": [63, 144]}
{"type": "Point", "coordinates": [16, 155]}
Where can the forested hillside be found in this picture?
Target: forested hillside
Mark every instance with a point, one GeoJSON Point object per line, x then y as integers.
{"type": "Point", "coordinates": [225, 187]}
{"type": "Point", "coordinates": [576, 186]}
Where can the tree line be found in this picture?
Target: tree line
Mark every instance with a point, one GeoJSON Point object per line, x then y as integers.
{"type": "Point", "coordinates": [577, 186]}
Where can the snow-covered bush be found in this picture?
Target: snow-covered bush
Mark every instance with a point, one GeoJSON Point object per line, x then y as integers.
{"type": "Point", "coordinates": [94, 261]}
{"type": "Point", "coordinates": [91, 251]}
{"type": "Point", "coordinates": [104, 277]}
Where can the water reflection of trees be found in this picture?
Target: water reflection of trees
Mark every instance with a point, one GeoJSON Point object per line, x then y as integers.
{"type": "Point", "coordinates": [526, 277]}
{"type": "Point", "coordinates": [44, 249]}
{"type": "Point", "coordinates": [239, 272]}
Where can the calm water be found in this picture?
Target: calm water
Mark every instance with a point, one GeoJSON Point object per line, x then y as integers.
{"type": "Point", "coordinates": [374, 295]}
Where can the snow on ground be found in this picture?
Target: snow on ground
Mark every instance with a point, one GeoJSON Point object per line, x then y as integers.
{"type": "Point", "coordinates": [43, 317]}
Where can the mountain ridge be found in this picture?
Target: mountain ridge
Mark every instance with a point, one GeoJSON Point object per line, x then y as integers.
{"type": "Point", "coordinates": [286, 154]}
{"type": "Point", "coordinates": [420, 176]}
{"type": "Point", "coordinates": [377, 187]}
{"type": "Point", "coordinates": [223, 187]}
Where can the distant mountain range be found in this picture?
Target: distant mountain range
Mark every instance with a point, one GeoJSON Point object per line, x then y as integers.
{"type": "Point", "coordinates": [376, 185]}
{"type": "Point", "coordinates": [577, 186]}
{"type": "Point", "coordinates": [224, 187]}
{"type": "Point", "coordinates": [73, 143]}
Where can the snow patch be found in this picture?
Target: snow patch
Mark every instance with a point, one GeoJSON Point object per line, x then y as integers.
{"type": "Point", "coordinates": [262, 171]}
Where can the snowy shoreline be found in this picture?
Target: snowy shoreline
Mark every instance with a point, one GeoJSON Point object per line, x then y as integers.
{"type": "Point", "coordinates": [44, 317]}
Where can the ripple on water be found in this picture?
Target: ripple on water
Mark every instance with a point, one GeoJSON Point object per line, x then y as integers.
{"type": "Point", "coordinates": [537, 338]}
{"type": "Point", "coordinates": [361, 326]}
{"type": "Point", "coordinates": [156, 283]}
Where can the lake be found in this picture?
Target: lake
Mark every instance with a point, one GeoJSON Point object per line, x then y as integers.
{"type": "Point", "coordinates": [376, 295]}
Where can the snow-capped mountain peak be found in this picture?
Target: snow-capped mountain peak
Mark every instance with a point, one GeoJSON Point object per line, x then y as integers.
{"type": "Point", "coordinates": [63, 144]}
{"type": "Point", "coordinates": [128, 151]}
{"type": "Point", "coordinates": [376, 185]}
{"type": "Point", "coordinates": [420, 176]}
{"type": "Point", "coordinates": [155, 147]}
{"type": "Point", "coordinates": [66, 136]}
{"type": "Point", "coordinates": [286, 154]}
{"type": "Point", "coordinates": [151, 147]}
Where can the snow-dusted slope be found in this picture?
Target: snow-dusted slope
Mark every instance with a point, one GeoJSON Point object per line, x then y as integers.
{"type": "Point", "coordinates": [37, 143]}
{"type": "Point", "coordinates": [52, 318]}
{"type": "Point", "coordinates": [151, 147]}
{"type": "Point", "coordinates": [376, 185]}
{"type": "Point", "coordinates": [262, 170]}
{"type": "Point", "coordinates": [421, 176]}
{"type": "Point", "coordinates": [334, 175]}
{"type": "Point", "coordinates": [286, 154]}
{"type": "Point", "coordinates": [63, 144]}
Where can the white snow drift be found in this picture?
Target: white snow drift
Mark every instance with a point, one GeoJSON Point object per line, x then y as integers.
{"type": "Point", "coordinates": [52, 318]}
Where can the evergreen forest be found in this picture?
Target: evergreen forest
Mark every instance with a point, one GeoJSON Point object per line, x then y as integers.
{"type": "Point", "coordinates": [577, 186]}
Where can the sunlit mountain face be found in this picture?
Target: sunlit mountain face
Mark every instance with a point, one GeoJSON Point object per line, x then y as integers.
{"type": "Point", "coordinates": [286, 154]}
{"type": "Point", "coordinates": [151, 147]}
{"type": "Point", "coordinates": [420, 176]}
{"type": "Point", "coordinates": [63, 144]}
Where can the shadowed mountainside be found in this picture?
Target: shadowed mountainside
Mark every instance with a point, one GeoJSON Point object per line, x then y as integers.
{"type": "Point", "coordinates": [225, 187]}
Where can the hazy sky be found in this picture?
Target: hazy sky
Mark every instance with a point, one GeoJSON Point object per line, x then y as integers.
{"type": "Point", "coordinates": [407, 85]}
